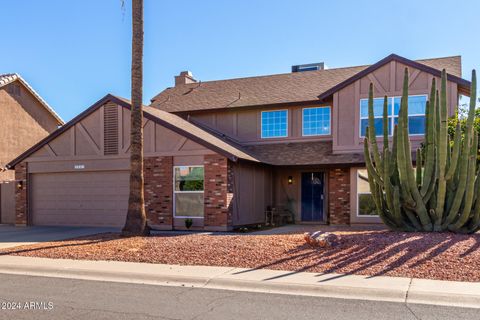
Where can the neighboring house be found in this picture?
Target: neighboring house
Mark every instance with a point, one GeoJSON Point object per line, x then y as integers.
{"type": "Point", "coordinates": [25, 119]}
{"type": "Point", "coordinates": [221, 152]}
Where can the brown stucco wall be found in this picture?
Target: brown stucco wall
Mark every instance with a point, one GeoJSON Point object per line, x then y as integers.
{"type": "Point", "coordinates": [7, 175]}
{"type": "Point", "coordinates": [24, 122]}
{"type": "Point", "coordinates": [388, 81]}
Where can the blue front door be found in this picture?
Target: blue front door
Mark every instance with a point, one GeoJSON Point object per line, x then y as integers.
{"type": "Point", "coordinates": [312, 196]}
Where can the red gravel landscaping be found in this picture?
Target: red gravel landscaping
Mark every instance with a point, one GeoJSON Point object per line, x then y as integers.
{"type": "Point", "coordinates": [442, 256]}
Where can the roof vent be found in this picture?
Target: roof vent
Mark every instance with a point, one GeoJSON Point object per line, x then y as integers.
{"type": "Point", "coordinates": [110, 129]}
{"type": "Point", "coordinates": [308, 67]}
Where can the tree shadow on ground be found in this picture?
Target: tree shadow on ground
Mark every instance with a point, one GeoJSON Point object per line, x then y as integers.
{"type": "Point", "coordinates": [378, 253]}
{"type": "Point", "coordinates": [372, 253]}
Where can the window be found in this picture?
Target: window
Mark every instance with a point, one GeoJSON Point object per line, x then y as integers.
{"type": "Point", "coordinates": [274, 124]}
{"type": "Point", "coordinates": [416, 114]}
{"type": "Point", "coordinates": [188, 191]}
{"type": "Point", "coordinates": [365, 204]}
{"type": "Point", "coordinates": [316, 121]}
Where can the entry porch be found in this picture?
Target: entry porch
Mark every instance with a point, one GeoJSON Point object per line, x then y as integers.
{"type": "Point", "coordinates": [313, 194]}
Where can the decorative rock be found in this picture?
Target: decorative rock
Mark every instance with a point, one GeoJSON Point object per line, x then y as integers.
{"type": "Point", "coordinates": [320, 239]}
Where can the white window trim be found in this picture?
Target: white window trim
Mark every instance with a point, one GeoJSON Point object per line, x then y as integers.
{"type": "Point", "coordinates": [175, 192]}
{"type": "Point", "coordinates": [392, 117]}
{"type": "Point", "coordinates": [321, 134]}
{"type": "Point", "coordinates": [261, 124]}
{"type": "Point", "coordinates": [357, 197]}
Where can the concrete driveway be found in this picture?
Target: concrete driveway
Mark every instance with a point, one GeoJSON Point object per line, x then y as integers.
{"type": "Point", "coordinates": [11, 236]}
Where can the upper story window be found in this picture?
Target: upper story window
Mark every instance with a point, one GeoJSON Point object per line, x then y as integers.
{"type": "Point", "coordinates": [416, 114]}
{"type": "Point", "coordinates": [316, 121]}
{"type": "Point", "coordinates": [275, 124]}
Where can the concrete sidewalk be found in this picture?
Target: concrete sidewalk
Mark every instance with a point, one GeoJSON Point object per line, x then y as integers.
{"type": "Point", "coordinates": [407, 290]}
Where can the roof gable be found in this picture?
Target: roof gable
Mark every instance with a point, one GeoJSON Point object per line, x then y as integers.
{"type": "Point", "coordinates": [8, 78]}
{"type": "Point", "coordinates": [170, 121]}
{"type": "Point", "coordinates": [430, 66]}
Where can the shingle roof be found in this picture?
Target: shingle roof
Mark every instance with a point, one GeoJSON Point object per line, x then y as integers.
{"type": "Point", "coordinates": [453, 64]}
{"type": "Point", "coordinates": [302, 153]}
{"type": "Point", "coordinates": [273, 89]}
{"type": "Point", "coordinates": [199, 134]}
{"type": "Point", "coordinates": [8, 78]}
{"type": "Point", "coordinates": [195, 132]}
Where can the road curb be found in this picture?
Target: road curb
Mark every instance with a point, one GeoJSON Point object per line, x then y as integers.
{"type": "Point", "coordinates": [331, 291]}
{"type": "Point", "coordinates": [126, 277]}
{"type": "Point", "coordinates": [215, 283]}
{"type": "Point", "coordinates": [392, 289]}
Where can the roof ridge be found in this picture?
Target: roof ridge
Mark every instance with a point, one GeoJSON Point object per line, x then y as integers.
{"type": "Point", "coordinates": [439, 58]}
{"type": "Point", "coordinates": [187, 85]}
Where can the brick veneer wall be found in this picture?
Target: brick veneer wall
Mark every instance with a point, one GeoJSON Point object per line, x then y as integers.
{"type": "Point", "coordinates": [21, 195]}
{"type": "Point", "coordinates": [159, 191]}
{"type": "Point", "coordinates": [339, 195]}
{"type": "Point", "coordinates": [218, 215]}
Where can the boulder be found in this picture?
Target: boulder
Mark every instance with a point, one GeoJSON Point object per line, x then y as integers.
{"type": "Point", "coordinates": [320, 239]}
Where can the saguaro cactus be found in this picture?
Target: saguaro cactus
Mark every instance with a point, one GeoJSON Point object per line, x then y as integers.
{"type": "Point", "coordinates": [443, 191]}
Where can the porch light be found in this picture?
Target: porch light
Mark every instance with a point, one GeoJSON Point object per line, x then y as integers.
{"type": "Point", "coordinates": [20, 185]}
{"type": "Point", "coordinates": [290, 180]}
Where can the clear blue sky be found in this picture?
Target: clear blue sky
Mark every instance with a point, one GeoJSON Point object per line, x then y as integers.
{"type": "Point", "coordinates": [74, 52]}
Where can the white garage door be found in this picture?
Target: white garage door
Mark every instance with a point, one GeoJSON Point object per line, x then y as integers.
{"type": "Point", "coordinates": [80, 198]}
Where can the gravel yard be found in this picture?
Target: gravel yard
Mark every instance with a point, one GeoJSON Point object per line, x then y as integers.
{"type": "Point", "coordinates": [442, 256]}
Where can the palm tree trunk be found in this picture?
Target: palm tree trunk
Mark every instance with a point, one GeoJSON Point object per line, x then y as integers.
{"type": "Point", "coordinates": [136, 222]}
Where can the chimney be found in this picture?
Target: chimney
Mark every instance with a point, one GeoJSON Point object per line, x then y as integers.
{"type": "Point", "coordinates": [184, 77]}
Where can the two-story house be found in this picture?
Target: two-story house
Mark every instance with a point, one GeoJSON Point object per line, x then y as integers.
{"type": "Point", "coordinates": [25, 119]}
{"type": "Point", "coordinates": [221, 152]}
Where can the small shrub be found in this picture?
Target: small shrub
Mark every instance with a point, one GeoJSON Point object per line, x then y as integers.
{"type": "Point", "coordinates": [188, 223]}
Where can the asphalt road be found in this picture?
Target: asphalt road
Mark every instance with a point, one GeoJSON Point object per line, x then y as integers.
{"type": "Point", "coordinates": [79, 299]}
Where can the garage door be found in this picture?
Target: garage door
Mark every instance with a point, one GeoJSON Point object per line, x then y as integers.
{"type": "Point", "coordinates": [80, 198]}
